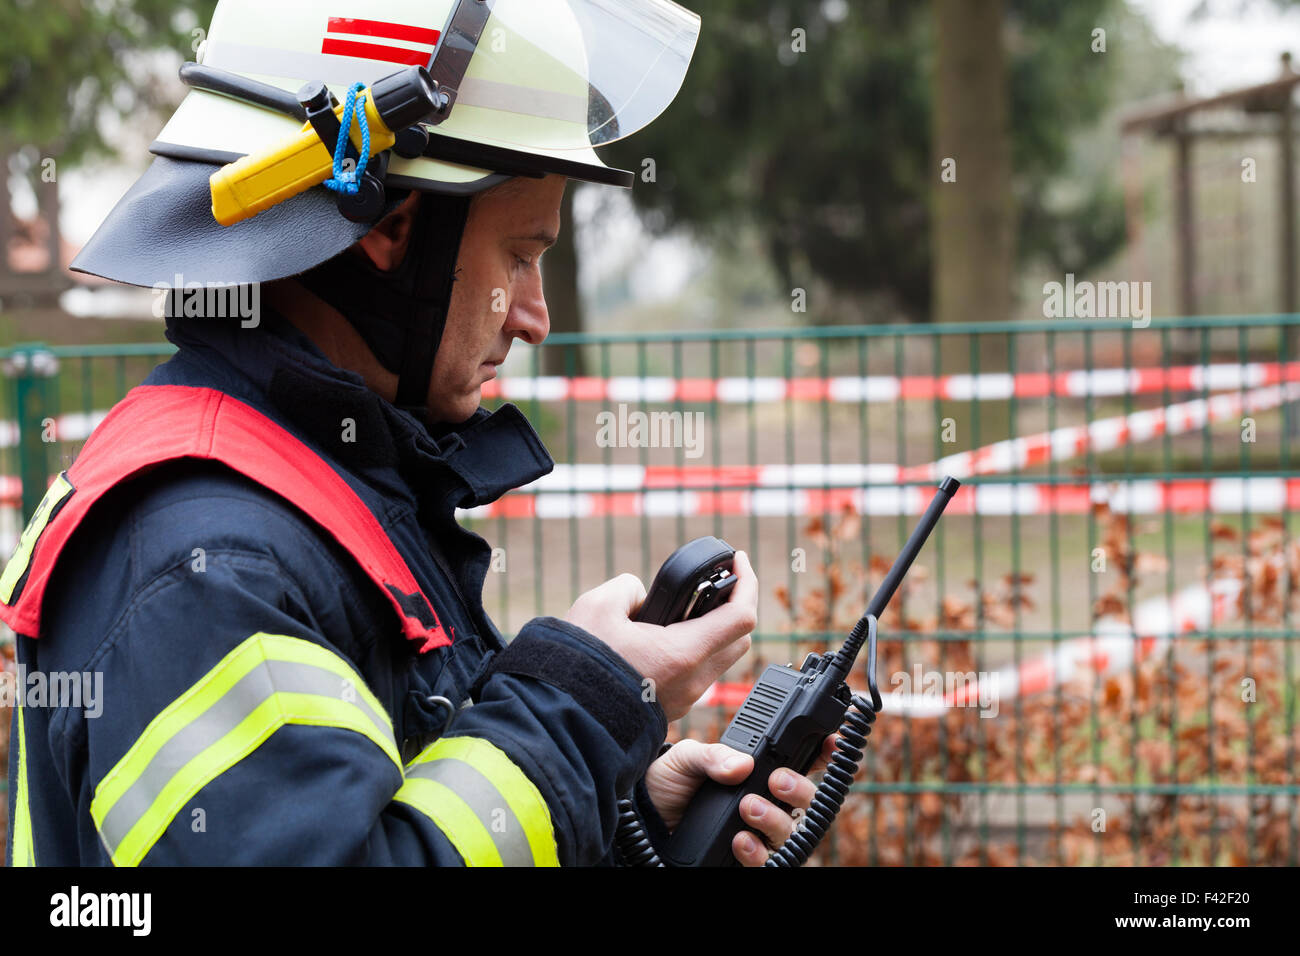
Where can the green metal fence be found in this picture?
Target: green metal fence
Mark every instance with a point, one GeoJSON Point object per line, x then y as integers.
{"type": "Point", "coordinates": [1094, 660]}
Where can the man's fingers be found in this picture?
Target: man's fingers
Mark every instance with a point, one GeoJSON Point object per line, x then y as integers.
{"type": "Point", "coordinates": [625, 593]}
{"type": "Point", "coordinates": [792, 788]}
{"type": "Point", "coordinates": [748, 849]}
{"type": "Point", "coordinates": [828, 751]}
{"type": "Point", "coordinates": [767, 818]}
{"type": "Point", "coordinates": [720, 662]}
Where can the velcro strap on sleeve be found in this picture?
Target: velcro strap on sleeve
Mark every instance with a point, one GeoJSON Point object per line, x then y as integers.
{"type": "Point", "coordinates": [539, 652]}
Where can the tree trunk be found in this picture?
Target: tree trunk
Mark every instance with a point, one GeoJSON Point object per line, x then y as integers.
{"type": "Point", "coordinates": [47, 199]}
{"type": "Point", "coordinates": [53, 278]}
{"type": "Point", "coordinates": [6, 214]}
{"type": "Point", "coordinates": [972, 234]}
{"type": "Point", "coordinates": [560, 286]}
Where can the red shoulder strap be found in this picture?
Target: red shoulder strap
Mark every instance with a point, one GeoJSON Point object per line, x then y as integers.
{"type": "Point", "coordinates": [158, 423]}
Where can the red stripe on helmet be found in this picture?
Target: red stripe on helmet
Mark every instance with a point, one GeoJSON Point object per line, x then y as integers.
{"type": "Point", "coordinates": [374, 51]}
{"type": "Point", "coordinates": [378, 28]}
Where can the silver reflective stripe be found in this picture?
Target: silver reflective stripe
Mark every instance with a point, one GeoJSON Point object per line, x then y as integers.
{"type": "Point", "coordinates": [510, 98]}
{"type": "Point", "coordinates": [251, 691]}
{"type": "Point", "coordinates": [487, 803]}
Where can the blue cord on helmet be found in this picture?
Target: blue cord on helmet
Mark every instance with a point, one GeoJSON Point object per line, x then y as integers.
{"type": "Point", "coordinates": [344, 181]}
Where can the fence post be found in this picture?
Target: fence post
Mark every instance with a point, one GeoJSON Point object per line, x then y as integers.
{"type": "Point", "coordinates": [32, 370]}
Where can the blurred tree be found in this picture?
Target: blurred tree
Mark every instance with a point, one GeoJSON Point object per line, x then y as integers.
{"type": "Point", "coordinates": [560, 288]}
{"type": "Point", "coordinates": [1069, 205]}
{"type": "Point", "coordinates": [808, 122]}
{"type": "Point", "coordinates": [813, 124]}
{"type": "Point", "coordinates": [66, 66]}
{"type": "Point", "coordinates": [972, 241]}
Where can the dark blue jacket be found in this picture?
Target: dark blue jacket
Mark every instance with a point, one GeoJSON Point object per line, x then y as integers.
{"type": "Point", "coordinates": [557, 712]}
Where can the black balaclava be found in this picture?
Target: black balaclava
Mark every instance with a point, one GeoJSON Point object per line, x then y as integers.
{"type": "Point", "coordinates": [401, 314]}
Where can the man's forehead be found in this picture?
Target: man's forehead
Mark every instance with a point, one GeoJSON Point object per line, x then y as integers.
{"type": "Point", "coordinates": [523, 187]}
{"type": "Point", "coordinates": [529, 208]}
{"type": "Point", "coordinates": [545, 236]}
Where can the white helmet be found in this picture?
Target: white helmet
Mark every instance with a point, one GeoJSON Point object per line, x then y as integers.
{"type": "Point", "coordinates": [528, 88]}
{"type": "Point", "coordinates": [532, 84]}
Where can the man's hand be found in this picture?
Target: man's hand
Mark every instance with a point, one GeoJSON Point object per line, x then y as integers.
{"type": "Point", "coordinates": [683, 659]}
{"type": "Point", "coordinates": [673, 779]}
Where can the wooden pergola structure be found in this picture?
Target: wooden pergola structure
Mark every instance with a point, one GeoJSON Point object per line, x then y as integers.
{"type": "Point", "coordinates": [1171, 120]}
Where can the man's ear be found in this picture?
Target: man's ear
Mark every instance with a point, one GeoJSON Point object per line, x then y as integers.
{"type": "Point", "coordinates": [385, 245]}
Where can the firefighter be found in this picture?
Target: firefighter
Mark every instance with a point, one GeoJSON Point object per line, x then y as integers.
{"type": "Point", "coordinates": [256, 555]}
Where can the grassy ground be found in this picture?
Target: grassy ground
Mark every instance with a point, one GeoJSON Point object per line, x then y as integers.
{"type": "Point", "coordinates": [57, 327]}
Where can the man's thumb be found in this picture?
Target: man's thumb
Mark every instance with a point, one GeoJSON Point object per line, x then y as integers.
{"type": "Point", "coordinates": [629, 592]}
{"type": "Point", "coordinates": [716, 761]}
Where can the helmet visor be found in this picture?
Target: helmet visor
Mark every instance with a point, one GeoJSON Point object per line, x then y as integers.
{"type": "Point", "coordinates": [572, 74]}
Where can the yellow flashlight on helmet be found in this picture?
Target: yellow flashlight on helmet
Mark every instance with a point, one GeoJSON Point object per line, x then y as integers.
{"type": "Point", "coordinates": [259, 181]}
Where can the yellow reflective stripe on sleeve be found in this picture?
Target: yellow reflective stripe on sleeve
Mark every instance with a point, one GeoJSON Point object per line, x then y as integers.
{"type": "Point", "coordinates": [268, 681]}
{"type": "Point", "coordinates": [59, 489]}
{"type": "Point", "coordinates": [504, 801]}
{"type": "Point", "coordinates": [454, 817]}
{"type": "Point", "coordinates": [24, 850]}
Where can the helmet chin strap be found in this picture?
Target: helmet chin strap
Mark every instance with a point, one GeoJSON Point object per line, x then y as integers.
{"type": "Point", "coordinates": [401, 314]}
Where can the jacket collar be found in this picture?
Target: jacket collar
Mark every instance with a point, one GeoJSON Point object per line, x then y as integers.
{"type": "Point", "coordinates": [276, 364]}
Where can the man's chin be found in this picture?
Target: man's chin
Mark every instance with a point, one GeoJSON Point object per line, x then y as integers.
{"type": "Point", "coordinates": [457, 410]}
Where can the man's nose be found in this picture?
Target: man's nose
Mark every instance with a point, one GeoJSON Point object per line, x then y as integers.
{"type": "Point", "coordinates": [528, 318]}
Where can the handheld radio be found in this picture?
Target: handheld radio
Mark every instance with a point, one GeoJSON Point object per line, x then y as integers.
{"type": "Point", "coordinates": [782, 722]}
{"type": "Point", "coordinates": [692, 582]}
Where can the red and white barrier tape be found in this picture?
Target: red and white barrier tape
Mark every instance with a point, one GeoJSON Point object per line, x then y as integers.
{"type": "Point", "coordinates": [1183, 496]}
{"type": "Point", "coordinates": [989, 386]}
{"type": "Point", "coordinates": [1138, 497]}
{"type": "Point", "coordinates": [579, 490]}
{"type": "Point", "coordinates": [75, 426]}
{"type": "Point", "coordinates": [1114, 647]}
{"type": "Point", "coordinates": [593, 490]}
{"type": "Point", "coordinates": [1105, 434]}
